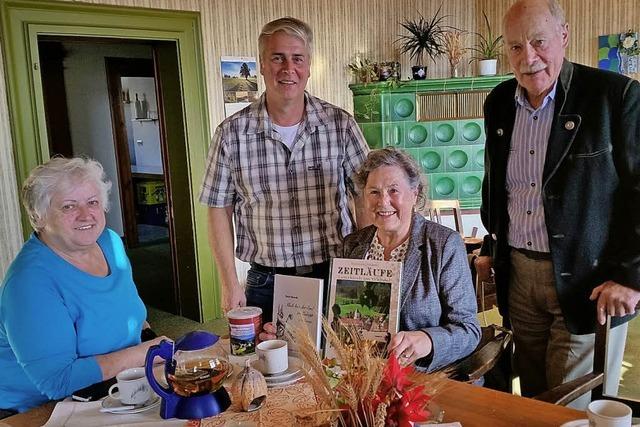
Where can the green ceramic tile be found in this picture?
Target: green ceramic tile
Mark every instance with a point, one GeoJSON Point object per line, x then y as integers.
{"type": "Point", "coordinates": [431, 160]}
{"type": "Point", "coordinates": [366, 108]}
{"type": "Point", "coordinates": [393, 134]}
{"type": "Point", "coordinates": [477, 158]}
{"type": "Point", "coordinates": [417, 134]}
{"type": "Point", "coordinates": [444, 133]}
{"type": "Point", "coordinates": [443, 186]}
{"type": "Point", "coordinates": [372, 133]}
{"type": "Point", "coordinates": [471, 131]}
{"type": "Point", "coordinates": [470, 189]}
{"type": "Point", "coordinates": [399, 107]}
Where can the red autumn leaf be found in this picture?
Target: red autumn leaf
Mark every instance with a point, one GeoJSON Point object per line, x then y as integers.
{"type": "Point", "coordinates": [395, 376]}
{"type": "Point", "coordinates": [413, 406]}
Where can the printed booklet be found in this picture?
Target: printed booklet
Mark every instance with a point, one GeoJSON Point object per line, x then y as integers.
{"type": "Point", "coordinates": [365, 295]}
{"type": "Point", "coordinates": [296, 298]}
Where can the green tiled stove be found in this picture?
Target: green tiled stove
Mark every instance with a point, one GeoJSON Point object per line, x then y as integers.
{"type": "Point", "coordinates": [438, 122]}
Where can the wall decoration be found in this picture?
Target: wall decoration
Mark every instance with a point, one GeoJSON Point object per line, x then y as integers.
{"type": "Point", "coordinates": [239, 82]}
{"type": "Point", "coordinates": [608, 52]}
{"type": "Point", "coordinates": [619, 52]}
{"type": "Point", "coordinates": [629, 52]}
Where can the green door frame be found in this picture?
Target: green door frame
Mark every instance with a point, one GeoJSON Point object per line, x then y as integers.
{"type": "Point", "coordinates": [23, 21]}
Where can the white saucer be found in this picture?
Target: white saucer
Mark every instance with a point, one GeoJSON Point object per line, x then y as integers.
{"type": "Point", "coordinates": [295, 366]}
{"type": "Point", "coordinates": [577, 423]}
{"type": "Point", "coordinates": [111, 405]}
{"type": "Point", "coordinates": [287, 381]}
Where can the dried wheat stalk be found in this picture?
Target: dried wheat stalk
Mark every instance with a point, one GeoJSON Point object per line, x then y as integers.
{"type": "Point", "coordinates": [454, 46]}
{"type": "Point", "coordinates": [363, 364]}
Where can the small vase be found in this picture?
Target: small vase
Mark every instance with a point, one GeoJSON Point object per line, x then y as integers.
{"type": "Point", "coordinates": [419, 72]}
{"type": "Point", "coordinates": [454, 70]}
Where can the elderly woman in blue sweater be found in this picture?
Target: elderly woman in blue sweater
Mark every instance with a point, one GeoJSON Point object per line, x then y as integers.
{"type": "Point", "coordinates": [70, 314]}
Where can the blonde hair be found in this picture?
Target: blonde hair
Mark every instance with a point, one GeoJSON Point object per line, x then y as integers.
{"type": "Point", "coordinates": [57, 174]}
{"type": "Point", "coordinates": [290, 26]}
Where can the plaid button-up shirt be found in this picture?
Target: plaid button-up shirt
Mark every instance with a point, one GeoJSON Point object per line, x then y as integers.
{"type": "Point", "coordinates": [291, 208]}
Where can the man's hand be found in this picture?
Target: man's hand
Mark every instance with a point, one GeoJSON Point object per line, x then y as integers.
{"type": "Point", "coordinates": [233, 297]}
{"type": "Point", "coordinates": [484, 268]}
{"type": "Point", "coordinates": [614, 299]}
{"type": "Point", "coordinates": [268, 332]}
{"type": "Point", "coordinates": [411, 346]}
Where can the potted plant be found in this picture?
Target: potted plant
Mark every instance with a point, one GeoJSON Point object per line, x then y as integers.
{"type": "Point", "coordinates": [425, 37]}
{"type": "Point", "coordinates": [362, 69]}
{"type": "Point", "coordinates": [488, 50]}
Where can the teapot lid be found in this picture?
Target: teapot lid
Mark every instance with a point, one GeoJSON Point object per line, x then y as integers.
{"type": "Point", "coordinates": [196, 340]}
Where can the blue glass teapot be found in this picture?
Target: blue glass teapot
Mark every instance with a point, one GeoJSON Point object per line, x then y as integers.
{"type": "Point", "coordinates": [194, 373]}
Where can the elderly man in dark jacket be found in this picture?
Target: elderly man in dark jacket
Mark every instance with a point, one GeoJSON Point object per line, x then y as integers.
{"type": "Point", "coordinates": [561, 199]}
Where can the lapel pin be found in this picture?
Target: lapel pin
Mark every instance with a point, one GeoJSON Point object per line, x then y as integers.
{"type": "Point", "coordinates": [569, 125]}
{"type": "Point", "coordinates": [499, 132]}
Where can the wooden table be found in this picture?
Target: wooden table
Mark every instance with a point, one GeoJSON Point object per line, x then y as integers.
{"type": "Point", "coordinates": [468, 404]}
{"type": "Point", "coordinates": [482, 407]}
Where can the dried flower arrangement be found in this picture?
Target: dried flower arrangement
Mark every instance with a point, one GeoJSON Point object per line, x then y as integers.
{"type": "Point", "coordinates": [369, 389]}
{"type": "Point", "coordinates": [362, 69]}
{"type": "Point", "coordinates": [453, 44]}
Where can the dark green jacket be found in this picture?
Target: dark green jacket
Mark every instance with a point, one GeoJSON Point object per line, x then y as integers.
{"type": "Point", "coordinates": [590, 188]}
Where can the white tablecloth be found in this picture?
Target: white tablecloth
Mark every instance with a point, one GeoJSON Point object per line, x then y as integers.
{"type": "Point", "coordinates": [87, 414]}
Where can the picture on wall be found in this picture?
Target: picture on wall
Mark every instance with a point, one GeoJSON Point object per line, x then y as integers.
{"type": "Point", "coordinates": [239, 82]}
{"type": "Point", "coordinates": [619, 52]}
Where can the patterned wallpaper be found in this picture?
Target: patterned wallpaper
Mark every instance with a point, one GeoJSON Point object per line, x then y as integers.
{"type": "Point", "coordinates": [342, 28]}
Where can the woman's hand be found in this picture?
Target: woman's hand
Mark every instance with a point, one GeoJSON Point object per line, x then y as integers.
{"type": "Point", "coordinates": [268, 332]}
{"type": "Point", "coordinates": [410, 346]}
{"type": "Point", "coordinates": [131, 357]}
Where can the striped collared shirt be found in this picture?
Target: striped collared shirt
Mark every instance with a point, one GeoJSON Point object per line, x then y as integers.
{"type": "Point", "coordinates": [291, 207]}
{"type": "Point", "coordinates": [527, 228]}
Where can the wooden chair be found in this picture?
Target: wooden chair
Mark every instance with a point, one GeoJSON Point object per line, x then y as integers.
{"type": "Point", "coordinates": [594, 381]}
{"type": "Point", "coordinates": [493, 342]}
{"type": "Point", "coordinates": [495, 339]}
{"type": "Point", "coordinates": [437, 206]}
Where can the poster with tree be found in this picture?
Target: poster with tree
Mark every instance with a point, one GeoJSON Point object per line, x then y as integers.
{"type": "Point", "coordinates": [239, 82]}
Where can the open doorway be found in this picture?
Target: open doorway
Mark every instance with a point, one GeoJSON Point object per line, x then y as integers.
{"type": "Point", "coordinates": [109, 99]}
{"type": "Point", "coordinates": [175, 40]}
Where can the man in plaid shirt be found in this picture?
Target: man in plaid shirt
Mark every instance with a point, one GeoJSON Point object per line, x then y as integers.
{"type": "Point", "coordinates": [282, 169]}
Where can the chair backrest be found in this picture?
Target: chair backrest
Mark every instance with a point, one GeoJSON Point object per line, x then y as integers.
{"type": "Point", "coordinates": [493, 342]}
{"type": "Point", "coordinates": [437, 206]}
{"type": "Point", "coordinates": [600, 357]}
{"type": "Point", "coordinates": [594, 381]}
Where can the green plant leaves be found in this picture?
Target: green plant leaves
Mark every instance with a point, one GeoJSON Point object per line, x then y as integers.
{"type": "Point", "coordinates": [425, 36]}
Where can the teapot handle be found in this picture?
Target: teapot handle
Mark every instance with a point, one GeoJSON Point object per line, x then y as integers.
{"type": "Point", "coordinates": [165, 351]}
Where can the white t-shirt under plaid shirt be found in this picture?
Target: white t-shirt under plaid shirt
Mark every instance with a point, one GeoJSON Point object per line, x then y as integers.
{"type": "Point", "coordinates": [291, 208]}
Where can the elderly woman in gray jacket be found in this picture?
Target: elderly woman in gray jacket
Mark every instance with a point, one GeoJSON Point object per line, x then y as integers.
{"type": "Point", "coordinates": [438, 323]}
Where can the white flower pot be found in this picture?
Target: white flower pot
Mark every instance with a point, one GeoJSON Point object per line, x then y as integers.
{"type": "Point", "coordinates": [488, 67]}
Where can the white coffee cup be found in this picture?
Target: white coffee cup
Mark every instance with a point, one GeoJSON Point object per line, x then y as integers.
{"type": "Point", "coordinates": [273, 355]}
{"type": "Point", "coordinates": [133, 387]}
{"type": "Point", "coordinates": [608, 413]}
